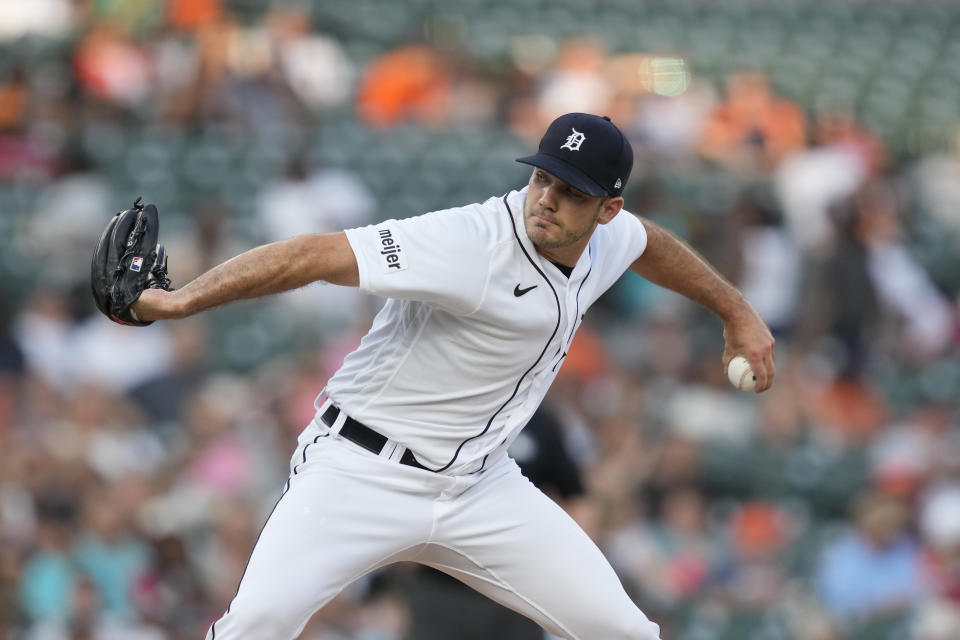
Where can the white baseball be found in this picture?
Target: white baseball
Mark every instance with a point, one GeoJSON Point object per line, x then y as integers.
{"type": "Point", "coordinates": [741, 375]}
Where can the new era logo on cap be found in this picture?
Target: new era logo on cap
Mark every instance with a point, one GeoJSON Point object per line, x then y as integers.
{"type": "Point", "coordinates": [587, 152]}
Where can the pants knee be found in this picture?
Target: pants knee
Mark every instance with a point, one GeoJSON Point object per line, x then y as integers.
{"type": "Point", "coordinates": [626, 626]}
{"type": "Point", "coordinates": [635, 627]}
{"type": "Point", "coordinates": [251, 623]}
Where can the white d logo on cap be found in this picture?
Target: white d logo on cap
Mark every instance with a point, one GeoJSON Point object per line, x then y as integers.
{"type": "Point", "coordinates": [574, 140]}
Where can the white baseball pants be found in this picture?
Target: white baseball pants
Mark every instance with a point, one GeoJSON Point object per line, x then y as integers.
{"type": "Point", "coordinates": [346, 512]}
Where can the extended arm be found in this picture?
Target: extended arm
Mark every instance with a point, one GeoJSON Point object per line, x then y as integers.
{"type": "Point", "coordinates": [671, 263]}
{"type": "Point", "coordinates": [271, 268]}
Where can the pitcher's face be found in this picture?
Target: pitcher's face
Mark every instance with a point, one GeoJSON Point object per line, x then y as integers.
{"type": "Point", "coordinates": [560, 219]}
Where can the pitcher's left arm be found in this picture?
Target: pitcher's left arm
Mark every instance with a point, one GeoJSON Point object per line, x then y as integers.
{"type": "Point", "coordinates": [670, 262]}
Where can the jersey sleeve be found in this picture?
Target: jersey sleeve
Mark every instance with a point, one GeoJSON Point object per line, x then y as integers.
{"type": "Point", "coordinates": [442, 258]}
{"type": "Point", "coordinates": [627, 239]}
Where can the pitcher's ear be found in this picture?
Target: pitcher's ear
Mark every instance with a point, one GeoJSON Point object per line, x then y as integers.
{"type": "Point", "coordinates": [609, 208]}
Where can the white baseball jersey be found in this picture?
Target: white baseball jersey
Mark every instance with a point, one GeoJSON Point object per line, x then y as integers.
{"type": "Point", "coordinates": [475, 329]}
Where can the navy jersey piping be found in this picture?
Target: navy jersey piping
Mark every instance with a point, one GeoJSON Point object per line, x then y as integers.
{"type": "Point", "coordinates": [579, 289]}
{"type": "Point", "coordinates": [286, 487]}
{"type": "Point", "coordinates": [536, 362]}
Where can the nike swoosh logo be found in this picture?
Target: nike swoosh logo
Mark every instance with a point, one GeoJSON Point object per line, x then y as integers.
{"type": "Point", "coordinates": [517, 291]}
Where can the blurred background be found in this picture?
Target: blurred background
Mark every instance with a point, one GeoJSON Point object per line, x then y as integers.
{"type": "Point", "coordinates": [808, 148]}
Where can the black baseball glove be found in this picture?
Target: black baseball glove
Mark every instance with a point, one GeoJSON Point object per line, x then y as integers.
{"type": "Point", "coordinates": [127, 260]}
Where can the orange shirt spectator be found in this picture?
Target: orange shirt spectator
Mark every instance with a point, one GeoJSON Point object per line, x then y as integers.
{"type": "Point", "coordinates": [190, 15]}
{"type": "Point", "coordinates": [752, 125]}
{"type": "Point", "coordinates": [410, 83]}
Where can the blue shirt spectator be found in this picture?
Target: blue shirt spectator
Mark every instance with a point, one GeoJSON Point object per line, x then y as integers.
{"type": "Point", "coordinates": [875, 569]}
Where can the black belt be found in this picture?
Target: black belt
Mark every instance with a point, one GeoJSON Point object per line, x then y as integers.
{"type": "Point", "coordinates": [362, 435]}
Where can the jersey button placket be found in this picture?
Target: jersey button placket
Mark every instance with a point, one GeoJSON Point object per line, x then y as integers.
{"type": "Point", "coordinates": [571, 314]}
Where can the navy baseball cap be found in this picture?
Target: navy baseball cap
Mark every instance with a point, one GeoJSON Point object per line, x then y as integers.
{"type": "Point", "coordinates": [587, 152]}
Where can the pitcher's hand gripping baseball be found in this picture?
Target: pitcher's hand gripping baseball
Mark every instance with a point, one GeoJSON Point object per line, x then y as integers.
{"type": "Point", "coordinates": [128, 260]}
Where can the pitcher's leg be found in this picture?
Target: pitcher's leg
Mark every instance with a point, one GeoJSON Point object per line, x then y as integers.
{"type": "Point", "coordinates": [512, 543]}
{"type": "Point", "coordinates": [328, 529]}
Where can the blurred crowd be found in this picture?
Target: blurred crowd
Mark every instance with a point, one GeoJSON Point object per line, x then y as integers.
{"type": "Point", "coordinates": [137, 465]}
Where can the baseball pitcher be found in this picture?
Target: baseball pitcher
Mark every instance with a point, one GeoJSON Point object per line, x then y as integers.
{"type": "Point", "coordinates": [406, 458]}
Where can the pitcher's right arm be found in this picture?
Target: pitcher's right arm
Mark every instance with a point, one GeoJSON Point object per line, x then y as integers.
{"type": "Point", "coordinates": [265, 270]}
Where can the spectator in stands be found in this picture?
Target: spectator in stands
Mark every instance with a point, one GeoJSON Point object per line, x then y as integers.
{"type": "Point", "coordinates": [902, 284]}
{"type": "Point", "coordinates": [49, 576]}
{"type": "Point", "coordinates": [668, 553]}
{"type": "Point", "coordinates": [936, 184]}
{"type": "Point", "coordinates": [671, 126]}
{"type": "Point", "coordinates": [411, 83]}
{"type": "Point", "coordinates": [171, 594]}
{"type": "Point", "coordinates": [752, 130]}
{"type": "Point", "coordinates": [918, 450]}
{"type": "Point", "coordinates": [11, 569]}
{"type": "Point", "coordinates": [164, 397]}
{"type": "Point", "coordinates": [770, 267]}
{"type": "Point", "coordinates": [88, 620]}
{"type": "Point", "coordinates": [843, 156]}
{"type": "Point", "coordinates": [110, 552]}
{"type": "Point", "coordinates": [51, 18]}
{"type": "Point", "coordinates": [317, 200]}
{"type": "Point", "coordinates": [752, 577]}
{"type": "Point", "coordinates": [14, 99]}
{"type": "Point", "coordinates": [69, 212]}
{"type": "Point", "coordinates": [940, 528]}
{"type": "Point", "coordinates": [191, 15]}
{"type": "Point", "coordinates": [314, 66]}
{"type": "Point", "coordinates": [112, 66]}
{"type": "Point", "coordinates": [12, 368]}
{"type": "Point", "coordinates": [875, 568]}
{"type": "Point", "coordinates": [577, 80]}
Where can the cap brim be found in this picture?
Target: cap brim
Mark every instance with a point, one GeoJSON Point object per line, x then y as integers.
{"type": "Point", "coordinates": [566, 172]}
